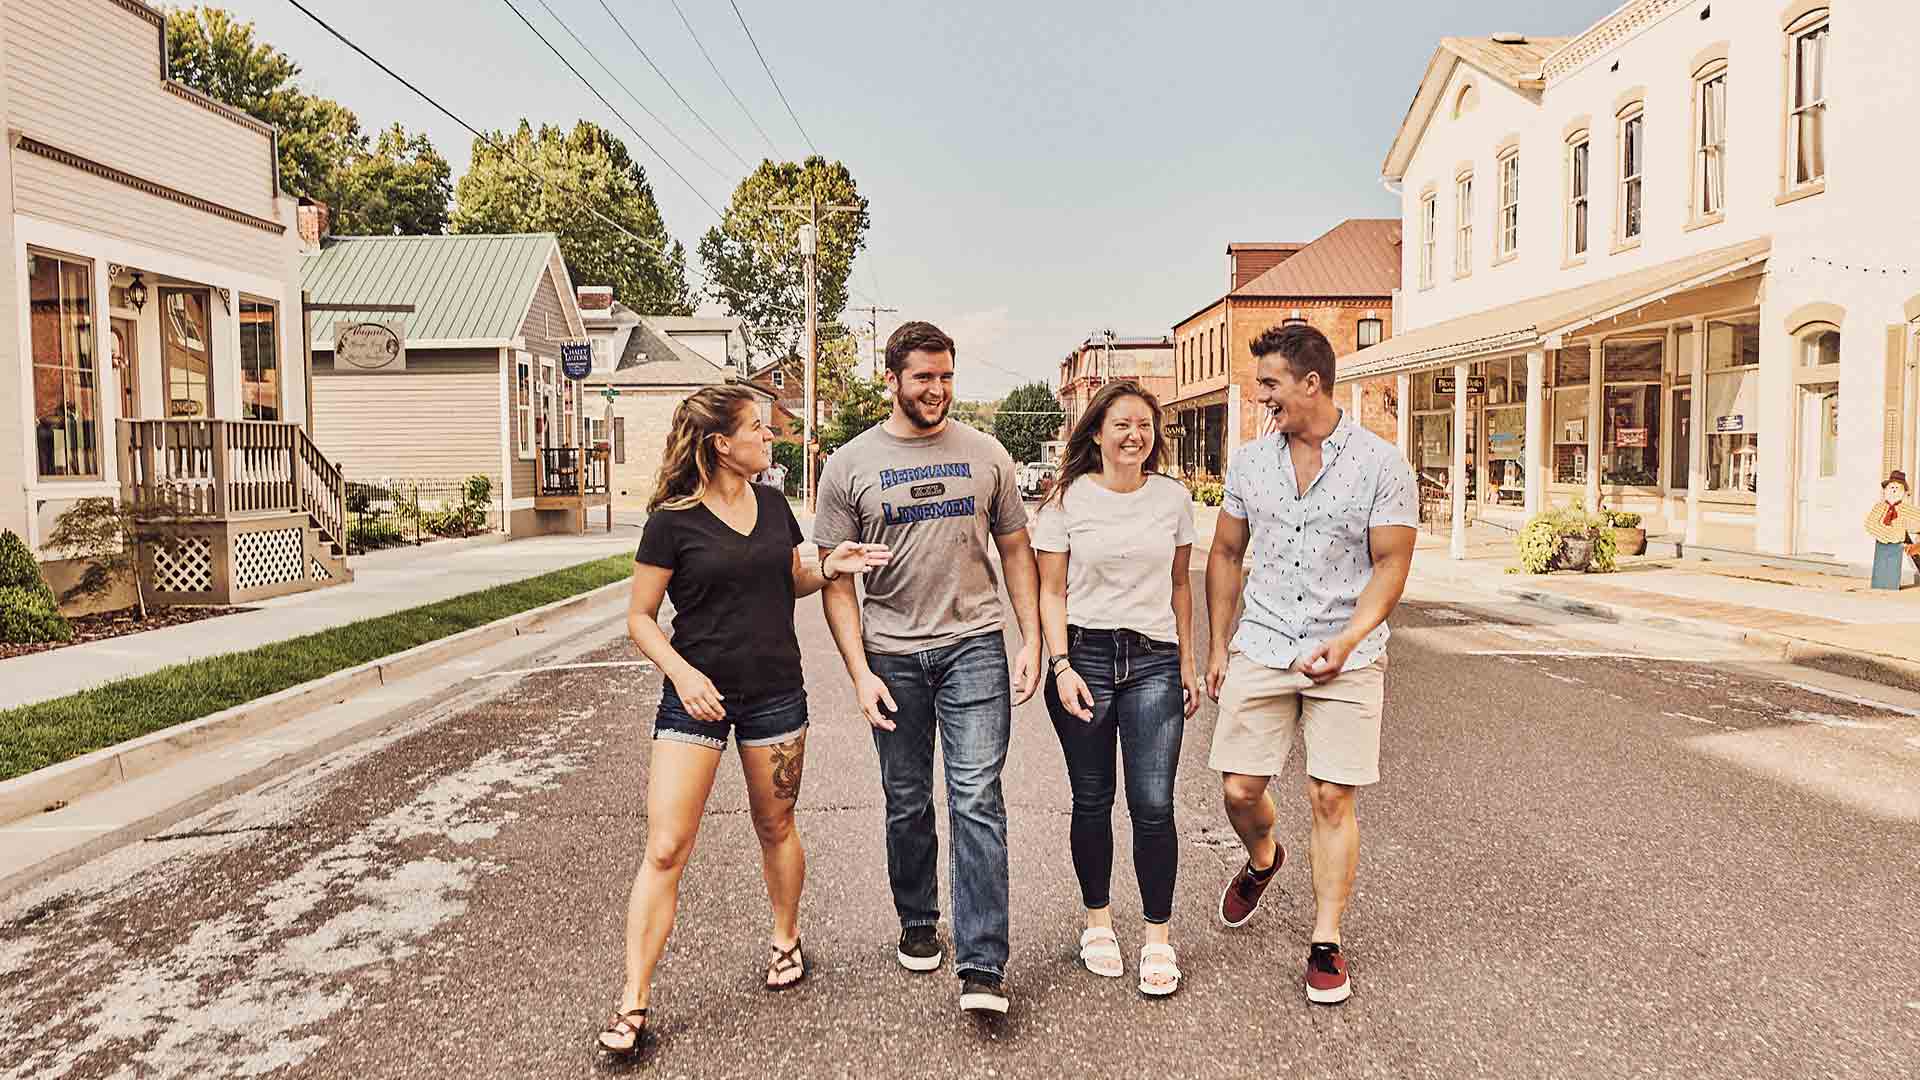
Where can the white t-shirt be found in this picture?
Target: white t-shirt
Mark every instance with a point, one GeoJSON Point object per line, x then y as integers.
{"type": "Point", "coordinates": [1119, 552]}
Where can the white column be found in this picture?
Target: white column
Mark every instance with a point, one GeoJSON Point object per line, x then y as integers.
{"type": "Point", "coordinates": [1697, 432]}
{"type": "Point", "coordinates": [1457, 546]}
{"type": "Point", "coordinates": [1534, 456]}
{"type": "Point", "coordinates": [1403, 415]}
{"type": "Point", "coordinates": [223, 353]}
{"type": "Point", "coordinates": [1359, 401]}
{"type": "Point", "coordinates": [1596, 405]}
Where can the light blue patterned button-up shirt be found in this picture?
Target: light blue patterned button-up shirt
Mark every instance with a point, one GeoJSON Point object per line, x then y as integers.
{"type": "Point", "coordinates": [1308, 558]}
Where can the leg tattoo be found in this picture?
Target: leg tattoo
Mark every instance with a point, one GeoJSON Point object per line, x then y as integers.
{"type": "Point", "coordinates": [788, 758]}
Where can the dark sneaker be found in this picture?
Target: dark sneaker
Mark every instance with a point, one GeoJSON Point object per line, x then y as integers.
{"type": "Point", "coordinates": [981, 993]}
{"type": "Point", "coordinates": [1327, 982]}
{"type": "Point", "coordinates": [1242, 896]}
{"type": "Point", "coordinates": [919, 949]}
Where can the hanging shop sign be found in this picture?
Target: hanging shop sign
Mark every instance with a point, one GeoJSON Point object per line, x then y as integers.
{"type": "Point", "coordinates": [370, 347]}
{"type": "Point", "coordinates": [576, 360]}
{"type": "Point", "coordinates": [1444, 384]}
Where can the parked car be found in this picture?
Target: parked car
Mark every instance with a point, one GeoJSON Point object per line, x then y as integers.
{"type": "Point", "coordinates": [1035, 479]}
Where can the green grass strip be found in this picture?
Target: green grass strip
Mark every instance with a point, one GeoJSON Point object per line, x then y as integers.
{"type": "Point", "coordinates": [35, 736]}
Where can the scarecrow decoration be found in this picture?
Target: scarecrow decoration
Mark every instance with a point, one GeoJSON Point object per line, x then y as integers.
{"type": "Point", "coordinates": [1892, 522]}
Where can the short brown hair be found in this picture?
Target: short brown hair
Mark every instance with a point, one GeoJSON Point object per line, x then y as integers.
{"type": "Point", "coordinates": [1306, 351]}
{"type": "Point", "coordinates": [916, 337]}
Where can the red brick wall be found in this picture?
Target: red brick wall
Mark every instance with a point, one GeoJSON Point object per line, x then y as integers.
{"type": "Point", "coordinates": [1338, 319]}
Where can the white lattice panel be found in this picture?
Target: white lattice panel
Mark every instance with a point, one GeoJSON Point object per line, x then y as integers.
{"type": "Point", "coordinates": [273, 557]}
{"type": "Point", "coordinates": [320, 571]}
{"type": "Point", "coordinates": [183, 566]}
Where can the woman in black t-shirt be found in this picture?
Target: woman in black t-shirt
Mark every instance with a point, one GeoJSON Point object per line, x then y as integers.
{"type": "Point", "coordinates": [726, 551]}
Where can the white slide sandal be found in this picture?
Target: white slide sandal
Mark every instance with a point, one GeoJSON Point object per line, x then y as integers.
{"type": "Point", "coordinates": [1159, 973]}
{"type": "Point", "coordinates": [1100, 952]}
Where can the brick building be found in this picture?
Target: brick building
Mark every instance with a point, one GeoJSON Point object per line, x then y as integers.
{"type": "Point", "coordinates": [1342, 284]}
{"type": "Point", "coordinates": [785, 382]}
{"type": "Point", "coordinates": [1146, 360]}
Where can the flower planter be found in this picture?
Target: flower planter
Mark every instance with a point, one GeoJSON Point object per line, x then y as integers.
{"type": "Point", "coordinates": [1631, 541]}
{"type": "Point", "coordinates": [1576, 553]}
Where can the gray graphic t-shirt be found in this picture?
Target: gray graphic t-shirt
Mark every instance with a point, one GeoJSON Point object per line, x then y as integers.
{"type": "Point", "coordinates": [937, 503]}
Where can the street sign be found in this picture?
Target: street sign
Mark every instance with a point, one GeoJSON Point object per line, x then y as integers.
{"type": "Point", "coordinates": [576, 360]}
{"type": "Point", "coordinates": [610, 393]}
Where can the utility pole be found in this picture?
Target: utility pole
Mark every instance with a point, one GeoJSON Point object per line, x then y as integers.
{"type": "Point", "coordinates": [810, 250]}
{"type": "Point", "coordinates": [873, 325]}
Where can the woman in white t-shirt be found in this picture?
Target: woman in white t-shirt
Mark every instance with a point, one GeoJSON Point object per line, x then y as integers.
{"type": "Point", "coordinates": [1113, 540]}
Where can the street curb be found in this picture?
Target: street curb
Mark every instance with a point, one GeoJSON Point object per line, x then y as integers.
{"type": "Point", "coordinates": [25, 796]}
{"type": "Point", "coordinates": [1801, 652]}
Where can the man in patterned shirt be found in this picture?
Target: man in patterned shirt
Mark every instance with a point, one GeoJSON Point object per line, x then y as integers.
{"type": "Point", "coordinates": [1327, 511]}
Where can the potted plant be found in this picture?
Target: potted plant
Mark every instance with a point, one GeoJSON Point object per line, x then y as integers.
{"type": "Point", "coordinates": [1566, 538]}
{"type": "Point", "coordinates": [1627, 533]}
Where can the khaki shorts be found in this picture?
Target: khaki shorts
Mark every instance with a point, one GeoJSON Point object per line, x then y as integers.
{"type": "Point", "coordinates": [1262, 707]}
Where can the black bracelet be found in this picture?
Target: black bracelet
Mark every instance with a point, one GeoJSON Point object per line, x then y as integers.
{"type": "Point", "coordinates": [824, 576]}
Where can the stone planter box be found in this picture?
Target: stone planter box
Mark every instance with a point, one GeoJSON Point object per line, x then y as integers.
{"type": "Point", "coordinates": [1575, 554]}
{"type": "Point", "coordinates": [1631, 541]}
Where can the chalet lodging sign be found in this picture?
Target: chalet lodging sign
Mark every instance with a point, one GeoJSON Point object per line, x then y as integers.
{"type": "Point", "coordinates": [370, 347]}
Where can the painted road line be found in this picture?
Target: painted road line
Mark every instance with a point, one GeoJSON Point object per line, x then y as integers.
{"type": "Point", "coordinates": [567, 667]}
{"type": "Point", "coordinates": [1575, 654]}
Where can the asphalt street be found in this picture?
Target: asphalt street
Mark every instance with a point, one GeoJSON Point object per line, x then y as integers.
{"type": "Point", "coordinates": [1595, 852]}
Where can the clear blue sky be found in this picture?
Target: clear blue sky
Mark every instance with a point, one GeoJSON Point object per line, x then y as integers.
{"type": "Point", "coordinates": [1036, 169]}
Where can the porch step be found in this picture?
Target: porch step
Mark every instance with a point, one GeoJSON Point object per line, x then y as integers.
{"type": "Point", "coordinates": [327, 566]}
{"type": "Point", "coordinates": [335, 544]}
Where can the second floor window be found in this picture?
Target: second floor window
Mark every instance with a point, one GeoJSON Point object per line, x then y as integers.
{"type": "Point", "coordinates": [1578, 191]}
{"type": "Point", "coordinates": [1463, 226]}
{"type": "Point", "coordinates": [1429, 237]}
{"type": "Point", "coordinates": [1510, 204]}
{"type": "Point", "coordinates": [779, 379]}
{"type": "Point", "coordinates": [1368, 333]}
{"type": "Point", "coordinates": [1632, 161]}
{"type": "Point", "coordinates": [1807, 127]}
{"type": "Point", "coordinates": [1710, 147]}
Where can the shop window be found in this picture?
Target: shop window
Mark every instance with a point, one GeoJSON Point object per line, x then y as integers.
{"type": "Point", "coordinates": [548, 404]}
{"type": "Point", "coordinates": [1630, 413]}
{"type": "Point", "coordinates": [569, 422]}
{"type": "Point", "coordinates": [1632, 162]}
{"type": "Point", "coordinates": [259, 361]}
{"type": "Point", "coordinates": [65, 380]}
{"type": "Point", "coordinates": [1432, 433]}
{"type": "Point", "coordinates": [1463, 226]}
{"type": "Point", "coordinates": [1506, 430]}
{"type": "Point", "coordinates": [1578, 194]}
{"type": "Point", "coordinates": [1368, 332]}
{"type": "Point", "coordinates": [1819, 348]}
{"type": "Point", "coordinates": [1733, 395]}
{"type": "Point", "coordinates": [1710, 145]}
{"type": "Point", "coordinates": [1510, 205]}
{"type": "Point", "coordinates": [1807, 101]}
{"type": "Point", "coordinates": [523, 402]}
{"type": "Point", "coordinates": [186, 337]}
{"type": "Point", "coordinates": [1572, 390]}
{"type": "Point", "coordinates": [1680, 377]}
{"type": "Point", "coordinates": [1429, 237]}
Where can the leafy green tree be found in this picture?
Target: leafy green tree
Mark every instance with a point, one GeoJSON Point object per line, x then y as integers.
{"type": "Point", "coordinates": [977, 415]}
{"type": "Point", "coordinates": [1029, 416]}
{"type": "Point", "coordinates": [397, 184]}
{"type": "Point", "coordinates": [866, 403]}
{"type": "Point", "coordinates": [585, 168]}
{"type": "Point", "coordinates": [752, 258]}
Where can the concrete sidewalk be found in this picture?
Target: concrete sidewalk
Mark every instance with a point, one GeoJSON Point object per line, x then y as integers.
{"type": "Point", "coordinates": [384, 582]}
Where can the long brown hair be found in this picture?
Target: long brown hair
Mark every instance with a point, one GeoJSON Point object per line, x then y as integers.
{"type": "Point", "coordinates": [1082, 455]}
{"type": "Point", "coordinates": [692, 458]}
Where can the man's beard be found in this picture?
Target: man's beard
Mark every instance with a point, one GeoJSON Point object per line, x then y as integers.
{"type": "Point", "coordinates": [914, 412]}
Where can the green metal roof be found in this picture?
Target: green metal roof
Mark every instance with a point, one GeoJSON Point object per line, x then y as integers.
{"type": "Point", "coordinates": [463, 288]}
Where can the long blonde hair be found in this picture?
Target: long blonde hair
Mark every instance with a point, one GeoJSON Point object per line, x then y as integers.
{"type": "Point", "coordinates": [692, 458]}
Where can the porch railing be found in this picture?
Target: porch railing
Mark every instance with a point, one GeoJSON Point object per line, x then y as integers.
{"type": "Point", "coordinates": [221, 469]}
{"type": "Point", "coordinates": [572, 470]}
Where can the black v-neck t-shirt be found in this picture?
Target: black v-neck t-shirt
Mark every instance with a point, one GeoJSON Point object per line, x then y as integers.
{"type": "Point", "coordinates": [732, 594]}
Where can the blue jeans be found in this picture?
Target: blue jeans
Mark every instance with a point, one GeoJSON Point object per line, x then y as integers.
{"type": "Point", "coordinates": [1137, 703]}
{"type": "Point", "coordinates": [963, 692]}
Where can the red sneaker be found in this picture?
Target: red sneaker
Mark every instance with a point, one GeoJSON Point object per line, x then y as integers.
{"type": "Point", "coordinates": [1327, 982]}
{"type": "Point", "coordinates": [1242, 895]}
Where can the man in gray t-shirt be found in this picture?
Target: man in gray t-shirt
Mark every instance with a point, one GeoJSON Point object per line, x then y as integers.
{"type": "Point", "coordinates": [927, 651]}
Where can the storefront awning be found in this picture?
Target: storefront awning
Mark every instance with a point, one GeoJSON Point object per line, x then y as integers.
{"type": "Point", "coordinates": [1529, 323]}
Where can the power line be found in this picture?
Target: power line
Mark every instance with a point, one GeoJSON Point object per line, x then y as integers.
{"type": "Point", "coordinates": [770, 78]}
{"type": "Point", "coordinates": [616, 112]}
{"type": "Point", "coordinates": [635, 98]}
{"type": "Point", "coordinates": [721, 139]}
{"type": "Point", "coordinates": [748, 113]}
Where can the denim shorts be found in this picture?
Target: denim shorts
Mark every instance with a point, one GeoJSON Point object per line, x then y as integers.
{"type": "Point", "coordinates": [760, 720]}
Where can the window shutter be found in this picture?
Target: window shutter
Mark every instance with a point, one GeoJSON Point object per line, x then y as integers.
{"type": "Point", "coordinates": [619, 440]}
{"type": "Point", "coordinates": [1896, 386]}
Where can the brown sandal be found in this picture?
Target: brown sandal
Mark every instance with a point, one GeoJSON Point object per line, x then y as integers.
{"type": "Point", "coordinates": [785, 960]}
{"type": "Point", "coordinates": [620, 1025]}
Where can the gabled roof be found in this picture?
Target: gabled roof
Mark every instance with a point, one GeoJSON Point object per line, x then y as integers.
{"type": "Point", "coordinates": [1359, 257]}
{"type": "Point", "coordinates": [464, 288]}
{"type": "Point", "coordinates": [653, 358]}
{"type": "Point", "coordinates": [1511, 59]}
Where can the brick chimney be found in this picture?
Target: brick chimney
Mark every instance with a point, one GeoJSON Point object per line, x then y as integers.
{"type": "Point", "coordinates": [595, 298]}
{"type": "Point", "coordinates": [316, 222]}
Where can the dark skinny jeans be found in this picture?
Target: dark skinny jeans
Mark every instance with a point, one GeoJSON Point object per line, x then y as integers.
{"type": "Point", "coordinates": [1137, 704]}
